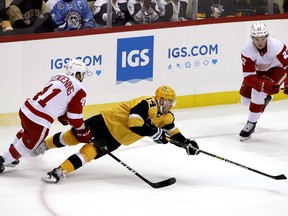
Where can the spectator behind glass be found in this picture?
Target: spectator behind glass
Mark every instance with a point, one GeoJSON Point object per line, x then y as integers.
{"type": "Point", "coordinates": [215, 8]}
{"type": "Point", "coordinates": [4, 19]}
{"type": "Point", "coordinates": [71, 15]}
{"type": "Point", "coordinates": [144, 11]}
{"type": "Point", "coordinates": [244, 8]}
{"type": "Point", "coordinates": [285, 6]}
{"type": "Point", "coordinates": [3, 15]}
{"type": "Point", "coordinates": [29, 13]}
{"type": "Point", "coordinates": [175, 10]}
{"type": "Point", "coordinates": [261, 7]}
{"type": "Point", "coordinates": [120, 13]}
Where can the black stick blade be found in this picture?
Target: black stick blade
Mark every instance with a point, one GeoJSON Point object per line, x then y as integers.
{"type": "Point", "coordinates": [280, 177]}
{"type": "Point", "coordinates": [164, 183]}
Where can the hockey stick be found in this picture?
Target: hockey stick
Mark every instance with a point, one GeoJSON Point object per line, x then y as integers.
{"type": "Point", "coordinates": [160, 184]}
{"type": "Point", "coordinates": [282, 79]}
{"type": "Point", "coordinates": [277, 177]}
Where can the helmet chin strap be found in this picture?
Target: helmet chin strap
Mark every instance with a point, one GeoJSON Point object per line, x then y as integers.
{"type": "Point", "coordinates": [161, 107]}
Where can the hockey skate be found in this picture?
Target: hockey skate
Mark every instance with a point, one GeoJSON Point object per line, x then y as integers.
{"type": "Point", "coordinates": [266, 102]}
{"type": "Point", "coordinates": [247, 131]}
{"type": "Point", "coordinates": [54, 175]}
{"type": "Point", "coordinates": [2, 168]}
{"type": "Point", "coordinates": [13, 164]}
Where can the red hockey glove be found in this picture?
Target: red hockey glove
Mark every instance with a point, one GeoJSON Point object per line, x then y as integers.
{"type": "Point", "coordinates": [269, 87]}
{"type": "Point", "coordinates": [192, 147]}
{"type": "Point", "coordinates": [63, 120]}
{"type": "Point", "coordinates": [285, 88]}
{"type": "Point", "coordinates": [83, 135]}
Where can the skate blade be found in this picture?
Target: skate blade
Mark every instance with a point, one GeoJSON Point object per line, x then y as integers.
{"type": "Point", "coordinates": [13, 164]}
{"type": "Point", "coordinates": [10, 165]}
{"type": "Point", "coordinates": [244, 138]}
{"type": "Point", "coordinates": [49, 180]}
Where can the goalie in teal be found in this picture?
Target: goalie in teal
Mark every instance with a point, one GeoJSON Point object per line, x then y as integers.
{"type": "Point", "coordinates": [123, 124]}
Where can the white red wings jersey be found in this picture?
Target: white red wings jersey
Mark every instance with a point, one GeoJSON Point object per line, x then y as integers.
{"type": "Point", "coordinates": [62, 95]}
{"type": "Point", "coordinates": [274, 55]}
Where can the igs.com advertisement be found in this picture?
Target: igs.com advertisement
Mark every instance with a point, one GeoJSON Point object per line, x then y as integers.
{"type": "Point", "coordinates": [192, 56]}
{"type": "Point", "coordinates": [135, 59]}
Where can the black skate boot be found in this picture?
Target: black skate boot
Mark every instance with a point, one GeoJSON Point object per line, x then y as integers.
{"type": "Point", "coordinates": [247, 131]}
{"type": "Point", "coordinates": [2, 168]}
{"type": "Point", "coordinates": [266, 102]}
{"type": "Point", "coordinates": [14, 163]}
{"type": "Point", "coordinates": [54, 175]}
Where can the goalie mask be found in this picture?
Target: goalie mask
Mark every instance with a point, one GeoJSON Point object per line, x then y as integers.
{"type": "Point", "coordinates": [77, 69]}
{"type": "Point", "coordinates": [168, 96]}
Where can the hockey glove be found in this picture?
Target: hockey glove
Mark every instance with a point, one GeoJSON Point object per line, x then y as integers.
{"type": "Point", "coordinates": [192, 147]}
{"type": "Point", "coordinates": [159, 136]}
{"type": "Point", "coordinates": [285, 89]}
{"type": "Point", "coordinates": [63, 120]}
{"type": "Point", "coordinates": [269, 87]}
{"type": "Point", "coordinates": [82, 135]}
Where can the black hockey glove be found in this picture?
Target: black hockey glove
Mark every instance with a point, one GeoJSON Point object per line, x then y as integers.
{"type": "Point", "coordinates": [192, 147]}
{"type": "Point", "coordinates": [159, 136]}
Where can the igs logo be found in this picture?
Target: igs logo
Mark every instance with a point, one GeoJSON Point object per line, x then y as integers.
{"type": "Point", "coordinates": [135, 59]}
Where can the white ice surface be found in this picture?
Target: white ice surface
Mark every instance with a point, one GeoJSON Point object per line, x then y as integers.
{"type": "Point", "coordinates": [205, 185]}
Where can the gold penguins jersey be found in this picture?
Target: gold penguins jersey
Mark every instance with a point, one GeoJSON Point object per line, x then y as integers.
{"type": "Point", "coordinates": [133, 113]}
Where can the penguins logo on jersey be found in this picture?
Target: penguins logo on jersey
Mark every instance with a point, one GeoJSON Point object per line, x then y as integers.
{"type": "Point", "coordinates": [74, 19]}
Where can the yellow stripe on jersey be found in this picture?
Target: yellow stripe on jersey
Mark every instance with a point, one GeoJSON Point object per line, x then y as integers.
{"type": "Point", "coordinates": [135, 120]}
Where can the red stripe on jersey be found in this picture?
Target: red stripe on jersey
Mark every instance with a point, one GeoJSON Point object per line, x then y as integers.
{"type": "Point", "coordinates": [283, 56]}
{"type": "Point", "coordinates": [38, 113]}
{"type": "Point", "coordinates": [248, 65]}
{"type": "Point", "coordinates": [77, 102]}
{"type": "Point", "coordinates": [75, 106]}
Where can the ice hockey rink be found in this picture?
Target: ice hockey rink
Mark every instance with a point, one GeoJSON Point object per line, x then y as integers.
{"type": "Point", "coordinates": [205, 185]}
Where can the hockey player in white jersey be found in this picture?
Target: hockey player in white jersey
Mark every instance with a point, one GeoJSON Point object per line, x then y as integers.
{"type": "Point", "coordinates": [265, 65]}
{"type": "Point", "coordinates": [63, 97]}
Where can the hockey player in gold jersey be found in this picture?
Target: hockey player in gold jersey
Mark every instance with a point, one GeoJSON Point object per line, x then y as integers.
{"type": "Point", "coordinates": [122, 124]}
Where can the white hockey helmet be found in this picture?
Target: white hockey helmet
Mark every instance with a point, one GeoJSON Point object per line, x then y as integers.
{"type": "Point", "coordinates": [76, 68]}
{"type": "Point", "coordinates": [259, 30]}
